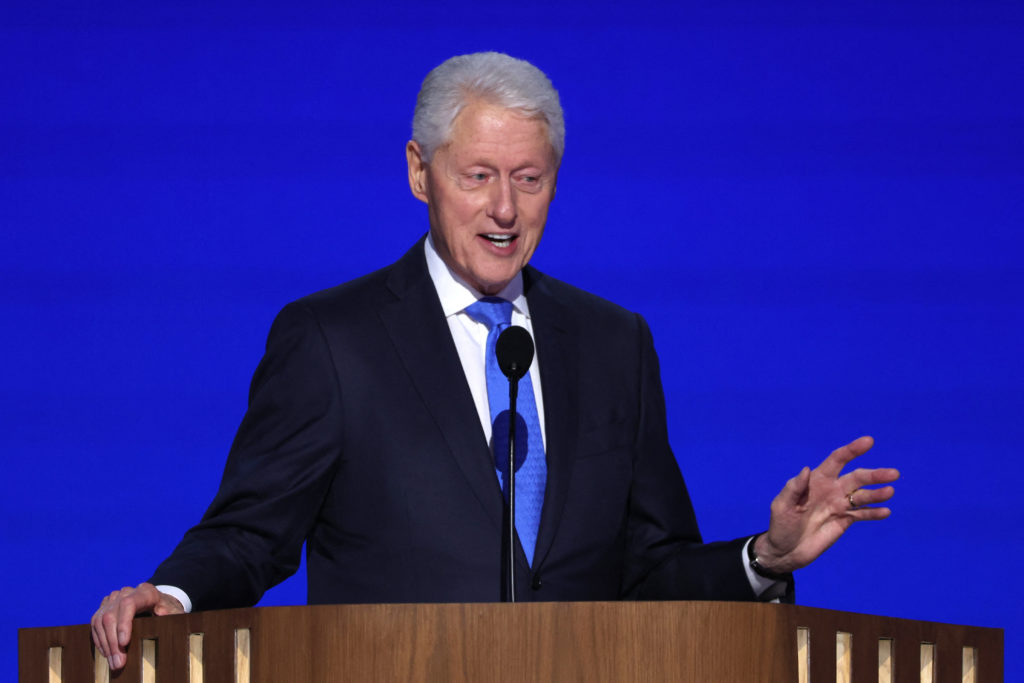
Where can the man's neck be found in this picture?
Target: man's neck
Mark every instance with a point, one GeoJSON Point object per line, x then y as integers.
{"type": "Point", "coordinates": [455, 293]}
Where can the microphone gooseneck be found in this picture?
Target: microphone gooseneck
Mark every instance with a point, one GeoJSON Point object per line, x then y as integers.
{"type": "Point", "coordinates": [514, 351]}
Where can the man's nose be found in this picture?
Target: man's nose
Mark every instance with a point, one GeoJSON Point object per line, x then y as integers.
{"type": "Point", "coordinates": [503, 204]}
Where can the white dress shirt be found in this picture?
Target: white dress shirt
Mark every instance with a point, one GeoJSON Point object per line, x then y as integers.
{"type": "Point", "coordinates": [470, 336]}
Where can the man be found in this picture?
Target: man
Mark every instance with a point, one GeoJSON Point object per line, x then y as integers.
{"type": "Point", "coordinates": [368, 434]}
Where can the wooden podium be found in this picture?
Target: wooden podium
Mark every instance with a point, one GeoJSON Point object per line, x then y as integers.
{"type": "Point", "coordinates": [706, 642]}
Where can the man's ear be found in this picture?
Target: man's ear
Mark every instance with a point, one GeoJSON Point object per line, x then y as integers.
{"type": "Point", "coordinates": [417, 171]}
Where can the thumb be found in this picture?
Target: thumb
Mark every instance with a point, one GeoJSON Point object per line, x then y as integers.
{"type": "Point", "coordinates": [168, 604]}
{"type": "Point", "coordinates": [796, 488]}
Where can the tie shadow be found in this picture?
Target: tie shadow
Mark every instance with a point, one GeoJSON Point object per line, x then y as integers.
{"type": "Point", "coordinates": [499, 442]}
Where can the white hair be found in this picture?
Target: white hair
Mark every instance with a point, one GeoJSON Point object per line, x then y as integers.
{"type": "Point", "coordinates": [489, 76]}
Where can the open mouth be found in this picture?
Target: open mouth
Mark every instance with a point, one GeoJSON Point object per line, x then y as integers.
{"type": "Point", "coordinates": [502, 241]}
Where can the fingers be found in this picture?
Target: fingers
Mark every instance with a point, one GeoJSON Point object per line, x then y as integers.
{"type": "Point", "coordinates": [99, 631]}
{"type": "Point", "coordinates": [864, 497]}
{"type": "Point", "coordinates": [868, 514]}
{"type": "Point", "coordinates": [105, 627]}
{"type": "Point", "coordinates": [125, 612]}
{"type": "Point", "coordinates": [840, 457]}
{"type": "Point", "coordinates": [868, 477]}
{"type": "Point", "coordinates": [112, 622]}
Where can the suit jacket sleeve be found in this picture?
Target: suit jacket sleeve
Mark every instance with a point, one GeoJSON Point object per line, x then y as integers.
{"type": "Point", "coordinates": [666, 558]}
{"type": "Point", "coordinates": [280, 465]}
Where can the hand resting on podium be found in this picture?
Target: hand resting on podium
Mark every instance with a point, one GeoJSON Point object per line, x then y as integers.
{"type": "Point", "coordinates": [112, 622]}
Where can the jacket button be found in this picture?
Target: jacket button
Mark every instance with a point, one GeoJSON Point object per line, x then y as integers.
{"type": "Point", "coordinates": [537, 583]}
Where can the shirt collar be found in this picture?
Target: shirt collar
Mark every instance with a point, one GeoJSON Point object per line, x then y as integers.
{"type": "Point", "coordinates": [456, 294]}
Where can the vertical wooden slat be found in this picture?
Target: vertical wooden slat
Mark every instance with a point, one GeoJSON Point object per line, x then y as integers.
{"type": "Point", "coordinates": [885, 660]}
{"type": "Point", "coordinates": [803, 655]}
{"type": "Point", "coordinates": [844, 657]}
{"type": "Point", "coordinates": [969, 673]}
{"type": "Point", "coordinates": [927, 662]}
{"type": "Point", "coordinates": [242, 647]}
{"type": "Point", "coordinates": [100, 667]}
{"type": "Point", "coordinates": [195, 658]}
{"type": "Point", "coordinates": [149, 660]}
{"type": "Point", "coordinates": [53, 657]}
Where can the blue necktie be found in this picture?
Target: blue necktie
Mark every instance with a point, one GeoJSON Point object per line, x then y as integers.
{"type": "Point", "coordinates": [531, 468]}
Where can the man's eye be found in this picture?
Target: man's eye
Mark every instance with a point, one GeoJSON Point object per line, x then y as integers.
{"type": "Point", "coordinates": [529, 183]}
{"type": "Point", "coordinates": [479, 177]}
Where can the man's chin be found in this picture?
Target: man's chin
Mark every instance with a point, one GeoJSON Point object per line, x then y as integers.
{"type": "Point", "coordinates": [491, 275]}
{"type": "Point", "coordinates": [494, 284]}
{"type": "Point", "coordinates": [491, 289]}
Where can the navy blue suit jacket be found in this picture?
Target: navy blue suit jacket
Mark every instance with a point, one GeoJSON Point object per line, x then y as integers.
{"type": "Point", "coordinates": [362, 440]}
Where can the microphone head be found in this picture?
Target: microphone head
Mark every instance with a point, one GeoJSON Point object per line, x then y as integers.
{"type": "Point", "coordinates": [514, 350]}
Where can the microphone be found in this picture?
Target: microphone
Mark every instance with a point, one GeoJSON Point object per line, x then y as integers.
{"type": "Point", "coordinates": [514, 352]}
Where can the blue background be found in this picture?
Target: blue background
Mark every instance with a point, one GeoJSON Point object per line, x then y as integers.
{"type": "Point", "coordinates": [817, 209]}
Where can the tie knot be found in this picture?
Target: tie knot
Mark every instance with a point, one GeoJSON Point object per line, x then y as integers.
{"type": "Point", "coordinates": [491, 311]}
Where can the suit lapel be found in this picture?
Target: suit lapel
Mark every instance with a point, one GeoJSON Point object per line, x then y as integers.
{"type": "Point", "coordinates": [554, 335]}
{"type": "Point", "coordinates": [417, 327]}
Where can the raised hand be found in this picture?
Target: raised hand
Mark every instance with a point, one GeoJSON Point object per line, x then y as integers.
{"type": "Point", "coordinates": [817, 506]}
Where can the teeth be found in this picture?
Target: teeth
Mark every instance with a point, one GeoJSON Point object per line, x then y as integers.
{"type": "Point", "coordinates": [500, 240]}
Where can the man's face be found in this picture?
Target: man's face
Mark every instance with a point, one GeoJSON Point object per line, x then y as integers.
{"type": "Point", "coordinates": [487, 193]}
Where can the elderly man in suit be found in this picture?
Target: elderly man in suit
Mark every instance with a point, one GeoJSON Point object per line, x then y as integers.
{"type": "Point", "coordinates": [374, 416]}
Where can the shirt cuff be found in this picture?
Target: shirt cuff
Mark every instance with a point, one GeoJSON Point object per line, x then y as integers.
{"type": "Point", "coordinates": [182, 596]}
{"type": "Point", "coordinates": [763, 587]}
